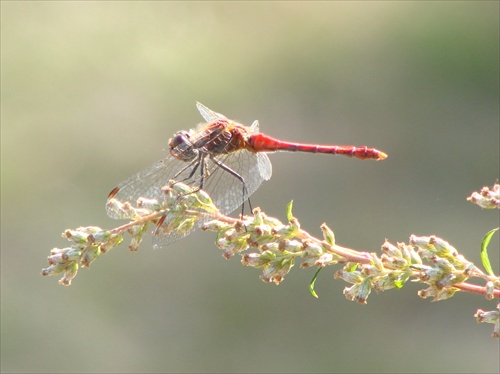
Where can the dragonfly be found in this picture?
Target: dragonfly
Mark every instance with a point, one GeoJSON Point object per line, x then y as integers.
{"type": "Point", "coordinates": [225, 158]}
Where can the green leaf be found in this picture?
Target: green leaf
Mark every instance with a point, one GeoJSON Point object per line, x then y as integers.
{"type": "Point", "coordinates": [289, 207]}
{"type": "Point", "coordinates": [484, 251]}
{"type": "Point", "coordinates": [352, 266]}
{"type": "Point", "coordinates": [311, 284]}
{"type": "Point", "coordinates": [400, 282]}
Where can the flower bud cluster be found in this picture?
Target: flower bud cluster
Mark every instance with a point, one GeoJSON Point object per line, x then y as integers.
{"type": "Point", "coordinates": [492, 316]}
{"type": "Point", "coordinates": [277, 245]}
{"type": "Point", "coordinates": [137, 232]}
{"type": "Point", "coordinates": [486, 198]}
{"type": "Point", "coordinates": [391, 270]}
{"type": "Point", "coordinates": [126, 210]}
{"type": "Point", "coordinates": [88, 244]}
{"type": "Point", "coordinates": [444, 267]}
{"type": "Point", "coordinates": [182, 197]}
{"type": "Point", "coordinates": [181, 209]}
{"type": "Point", "coordinates": [185, 206]}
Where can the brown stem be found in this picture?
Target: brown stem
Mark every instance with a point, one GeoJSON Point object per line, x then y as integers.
{"type": "Point", "coordinates": [473, 288]}
{"type": "Point", "coordinates": [139, 221]}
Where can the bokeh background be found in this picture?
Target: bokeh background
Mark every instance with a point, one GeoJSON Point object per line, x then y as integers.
{"type": "Point", "coordinates": [90, 94]}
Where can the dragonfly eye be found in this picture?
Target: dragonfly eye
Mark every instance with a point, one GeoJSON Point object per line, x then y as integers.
{"type": "Point", "coordinates": [182, 137]}
{"type": "Point", "coordinates": [181, 147]}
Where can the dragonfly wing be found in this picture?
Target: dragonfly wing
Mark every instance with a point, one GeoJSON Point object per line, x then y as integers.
{"type": "Point", "coordinates": [208, 114]}
{"type": "Point", "coordinates": [265, 166]}
{"type": "Point", "coordinates": [147, 183]}
{"type": "Point", "coordinates": [254, 127]}
{"type": "Point", "coordinates": [224, 187]}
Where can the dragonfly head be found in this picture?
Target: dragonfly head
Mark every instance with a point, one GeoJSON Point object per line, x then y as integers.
{"type": "Point", "coordinates": [181, 146]}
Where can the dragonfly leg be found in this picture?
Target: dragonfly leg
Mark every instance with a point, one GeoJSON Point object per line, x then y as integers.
{"type": "Point", "coordinates": [195, 162]}
{"type": "Point", "coordinates": [237, 176]}
{"type": "Point", "coordinates": [200, 160]}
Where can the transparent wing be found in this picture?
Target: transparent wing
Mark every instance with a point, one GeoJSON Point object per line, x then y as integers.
{"type": "Point", "coordinates": [225, 189]}
{"type": "Point", "coordinates": [254, 127]}
{"type": "Point", "coordinates": [265, 166]}
{"type": "Point", "coordinates": [208, 114]}
{"type": "Point", "coordinates": [147, 183]}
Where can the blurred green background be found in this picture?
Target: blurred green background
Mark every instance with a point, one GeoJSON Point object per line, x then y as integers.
{"type": "Point", "coordinates": [90, 94]}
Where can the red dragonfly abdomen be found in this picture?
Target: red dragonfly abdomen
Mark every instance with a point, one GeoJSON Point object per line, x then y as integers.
{"type": "Point", "coordinates": [265, 143]}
